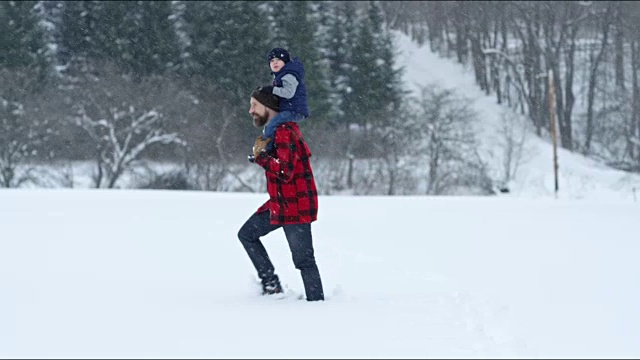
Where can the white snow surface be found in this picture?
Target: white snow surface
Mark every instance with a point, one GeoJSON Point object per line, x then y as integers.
{"type": "Point", "coordinates": [161, 274]}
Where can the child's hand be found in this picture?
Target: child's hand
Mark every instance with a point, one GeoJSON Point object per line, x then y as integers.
{"type": "Point", "coordinates": [268, 88]}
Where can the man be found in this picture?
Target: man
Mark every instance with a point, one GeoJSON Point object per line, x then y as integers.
{"type": "Point", "coordinates": [293, 199]}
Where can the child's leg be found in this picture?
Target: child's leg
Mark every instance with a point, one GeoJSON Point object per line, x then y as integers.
{"type": "Point", "coordinates": [277, 120]}
{"type": "Point", "coordinates": [297, 117]}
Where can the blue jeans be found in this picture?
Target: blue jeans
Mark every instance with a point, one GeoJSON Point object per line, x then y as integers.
{"type": "Point", "coordinates": [281, 118]}
{"type": "Point", "coordinates": [300, 243]}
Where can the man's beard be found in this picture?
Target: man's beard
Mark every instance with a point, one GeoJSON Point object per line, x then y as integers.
{"type": "Point", "coordinates": [259, 120]}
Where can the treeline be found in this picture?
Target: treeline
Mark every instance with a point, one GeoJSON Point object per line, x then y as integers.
{"type": "Point", "coordinates": [117, 81]}
{"type": "Point", "coordinates": [592, 48]}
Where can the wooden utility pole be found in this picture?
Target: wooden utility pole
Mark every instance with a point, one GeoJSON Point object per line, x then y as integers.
{"type": "Point", "coordinates": [552, 128]}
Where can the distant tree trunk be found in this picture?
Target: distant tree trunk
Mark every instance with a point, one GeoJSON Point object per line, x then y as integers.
{"type": "Point", "coordinates": [479, 65]}
{"type": "Point", "coordinates": [499, 26]}
{"type": "Point", "coordinates": [593, 76]}
{"type": "Point", "coordinates": [433, 172]}
{"type": "Point", "coordinates": [504, 33]}
{"type": "Point", "coordinates": [392, 170]}
{"type": "Point", "coordinates": [552, 56]}
{"type": "Point", "coordinates": [531, 70]}
{"type": "Point", "coordinates": [435, 18]}
{"type": "Point", "coordinates": [522, 84]}
{"type": "Point", "coordinates": [350, 171]}
{"type": "Point", "coordinates": [559, 105]}
{"type": "Point", "coordinates": [447, 35]}
{"type": "Point", "coordinates": [507, 89]}
{"type": "Point", "coordinates": [461, 27]}
{"type": "Point", "coordinates": [566, 124]}
{"type": "Point", "coordinates": [619, 60]}
{"type": "Point", "coordinates": [495, 76]}
{"type": "Point", "coordinates": [485, 42]}
{"type": "Point", "coordinates": [566, 22]}
{"type": "Point", "coordinates": [634, 146]}
{"type": "Point", "coordinates": [97, 180]}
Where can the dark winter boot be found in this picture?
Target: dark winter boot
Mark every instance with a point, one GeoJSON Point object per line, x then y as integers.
{"type": "Point", "coordinates": [272, 286]}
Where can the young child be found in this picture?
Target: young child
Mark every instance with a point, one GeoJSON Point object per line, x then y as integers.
{"type": "Point", "coordinates": [288, 85]}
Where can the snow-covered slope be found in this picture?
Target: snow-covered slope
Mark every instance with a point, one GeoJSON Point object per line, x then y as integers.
{"type": "Point", "coordinates": [161, 274]}
{"type": "Point", "coordinates": [579, 177]}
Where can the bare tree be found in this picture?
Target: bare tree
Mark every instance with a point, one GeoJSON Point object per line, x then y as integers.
{"type": "Point", "coordinates": [224, 161]}
{"type": "Point", "coordinates": [16, 142]}
{"type": "Point", "coordinates": [394, 148]}
{"type": "Point", "coordinates": [21, 132]}
{"type": "Point", "coordinates": [125, 119]}
{"type": "Point", "coordinates": [619, 45]}
{"type": "Point", "coordinates": [445, 122]}
{"type": "Point", "coordinates": [216, 133]}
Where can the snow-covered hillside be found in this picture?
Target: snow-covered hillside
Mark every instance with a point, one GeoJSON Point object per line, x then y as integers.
{"type": "Point", "coordinates": [579, 177]}
{"type": "Point", "coordinates": [161, 274]}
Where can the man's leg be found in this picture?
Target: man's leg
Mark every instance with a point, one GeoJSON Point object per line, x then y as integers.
{"type": "Point", "coordinates": [300, 243]}
{"type": "Point", "coordinates": [259, 225]}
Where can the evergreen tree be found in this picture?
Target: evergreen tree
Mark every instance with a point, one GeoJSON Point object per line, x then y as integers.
{"type": "Point", "coordinates": [391, 76]}
{"type": "Point", "coordinates": [178, 22]}
{"type": "Point", "coordinates": [361, 100]}
{"type": "Point", "coordinates": [374, 84]}
{"type": "Point", "coordinates": [137, 36]}
{"type": "Point", "coordinates": [153, 41]}
{"type": "Point", "coordinates": [339, 45]}
{"type": "Point", "coordinates": [21, 37]}
{"type": "Point", "coordinates": [277, 11]}
{"type": "Point", "coordinates": [227, 42]}
{"type": "Point", "coordinates": [78, 33]}
{"type": "Point", "coordinates": [114, 26]}
{"type": "Point", "coordinates": [49, 14]}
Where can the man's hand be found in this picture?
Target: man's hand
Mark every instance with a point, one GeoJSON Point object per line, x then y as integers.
{"type": "Point", "coordinates": [260, 145]}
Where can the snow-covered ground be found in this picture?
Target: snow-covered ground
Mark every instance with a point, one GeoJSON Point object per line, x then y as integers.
{"type": "Point", "coordinates": [579, 177]}
{"type": "Point", "coordinates": [125, 273]}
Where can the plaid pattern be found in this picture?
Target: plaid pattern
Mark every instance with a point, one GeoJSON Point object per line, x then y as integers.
{"type": "Point", "coordinates": [293, 198]}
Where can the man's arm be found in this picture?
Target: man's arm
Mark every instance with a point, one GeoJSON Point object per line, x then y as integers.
{"type": "Point", "coordinates": [287, 156]}
{"type": "Point", "coordinates": [289, 86]}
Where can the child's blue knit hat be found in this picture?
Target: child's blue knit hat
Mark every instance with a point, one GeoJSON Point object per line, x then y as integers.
{"type": "Point", "coordinates": [279, 53]}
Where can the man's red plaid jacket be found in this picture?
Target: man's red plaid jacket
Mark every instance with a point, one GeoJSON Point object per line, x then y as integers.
{"type": "Point", "coordinates": [293, 198]}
